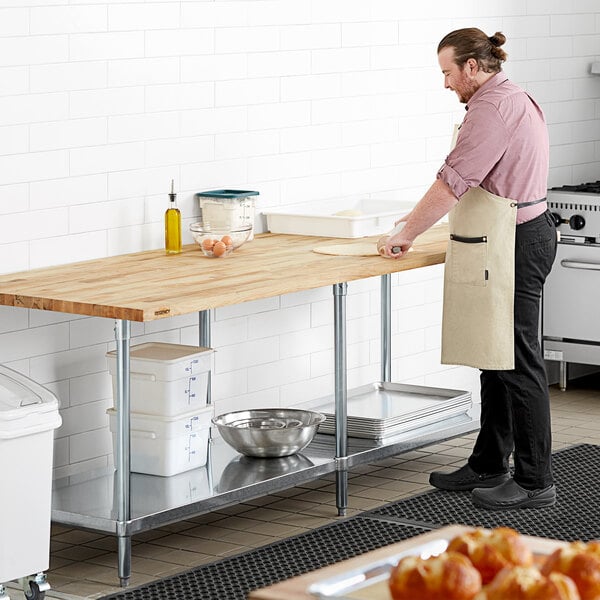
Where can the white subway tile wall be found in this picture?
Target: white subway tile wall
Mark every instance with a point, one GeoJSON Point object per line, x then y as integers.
{"type": "Point", "coordinates": [102, 103]}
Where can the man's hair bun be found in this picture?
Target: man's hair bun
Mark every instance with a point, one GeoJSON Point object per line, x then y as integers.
{"type": "Point", "coordinates": [497, 39]}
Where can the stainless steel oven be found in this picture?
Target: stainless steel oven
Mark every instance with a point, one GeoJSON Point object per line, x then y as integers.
{"type": "Point", "coordinates": [571, 300]}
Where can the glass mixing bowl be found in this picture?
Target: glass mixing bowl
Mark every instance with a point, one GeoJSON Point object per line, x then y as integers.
{"type": "Point", "coordinates": [217, 242]}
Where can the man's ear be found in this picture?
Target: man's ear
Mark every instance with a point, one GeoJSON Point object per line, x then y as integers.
{"type": "Point", "coordinates": [472, 66]}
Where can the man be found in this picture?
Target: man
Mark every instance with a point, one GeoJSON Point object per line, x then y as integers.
{"type": "Point", "coordinates": [501, 248]}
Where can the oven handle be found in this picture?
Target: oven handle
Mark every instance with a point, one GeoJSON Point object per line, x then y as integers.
{"type": "Point", "coordinates": [577, 264]}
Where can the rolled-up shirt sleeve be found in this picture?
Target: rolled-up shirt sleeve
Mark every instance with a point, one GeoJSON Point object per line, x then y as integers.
{"type": "Point", "coordinates": [482, 140]}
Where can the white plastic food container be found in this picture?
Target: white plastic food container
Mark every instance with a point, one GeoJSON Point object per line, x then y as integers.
{"type": "Point", "coordinates": [228, 208]}
{"type": "Point", "coordinates": [166, 379]}
{"type": "Point", "coordinates": [338, 218]}
{"type": "Point", "coordinates": [166, 446]}
{"type": "Point", "coordinates": [28, 417]}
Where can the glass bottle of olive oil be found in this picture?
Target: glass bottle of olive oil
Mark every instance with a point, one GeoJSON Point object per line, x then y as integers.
{"type": "Point", "coordinates": [172, 224]}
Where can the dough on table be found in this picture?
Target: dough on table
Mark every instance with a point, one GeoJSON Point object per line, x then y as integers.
{"type": "Point", "coordinates": [355, 249]}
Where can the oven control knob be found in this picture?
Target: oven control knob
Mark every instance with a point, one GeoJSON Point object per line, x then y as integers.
{"type": "Point", "coordinates": [557, 219]}
{"type": "Point", "coordinates": [577, 222]}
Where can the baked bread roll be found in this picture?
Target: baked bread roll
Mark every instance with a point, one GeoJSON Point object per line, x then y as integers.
{"type": "Point", "coordinates": [490, 550]}
{"type": "Point", "coordinates": [450, 576]}
{"type": "Point", "coordinates": [527, 583]}
{"type": "Point", "coordinates": [581, 562]}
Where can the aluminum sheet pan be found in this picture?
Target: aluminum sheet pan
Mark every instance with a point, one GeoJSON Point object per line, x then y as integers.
{"type": "Point", "coordinates": [402, 416]}
{"type": "Point", "coordinates": [384, 409]}
{"type": "Point", "coordinates": [355, 584]}
{"type": "Point", "coordinates": [356, 430]}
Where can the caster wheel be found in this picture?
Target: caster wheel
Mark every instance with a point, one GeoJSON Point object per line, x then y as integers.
{"type": "Point", "coordinates": [34, 592]}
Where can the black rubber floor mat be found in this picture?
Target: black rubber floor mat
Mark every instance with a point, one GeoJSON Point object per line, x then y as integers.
{"type": "Point", "coordinates": [233, 578]}
{"type": "Point", "coordinates": [576, 514]}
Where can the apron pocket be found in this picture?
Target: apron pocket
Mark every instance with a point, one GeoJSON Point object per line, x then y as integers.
{"type": "Point", "coordinates": [467, 260]}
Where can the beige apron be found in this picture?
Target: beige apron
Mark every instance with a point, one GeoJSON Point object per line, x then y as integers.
{"type": "Point", "coordinates": [479, 282]}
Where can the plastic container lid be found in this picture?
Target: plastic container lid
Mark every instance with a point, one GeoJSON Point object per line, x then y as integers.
{"type": "Point", "coordinates": [165, 426]}
{"type": "Point", "coordinates": [227, 194]}
{"type": "Point", "coordinates": [13, 394]}
{"type": "Point", "coordinates": [25, 406]}
{"type": "Point", "coordinates": [163, 352]}
{"type": "Point", "coordinates": [163, 361]}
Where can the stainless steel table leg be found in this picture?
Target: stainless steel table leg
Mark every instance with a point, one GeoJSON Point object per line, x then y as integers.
{"type": "Point", "coordinates": [341, 397]}
{"type": "Point", "coordinates": [386, 335]}
{"type": "Point", "coordinates": [122, 460]}
{"type": "Point", "coordinates": [205, 341]}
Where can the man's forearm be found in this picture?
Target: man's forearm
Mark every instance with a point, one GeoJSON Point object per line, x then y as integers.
{"type": "Point", "coordinates": [437, 201]}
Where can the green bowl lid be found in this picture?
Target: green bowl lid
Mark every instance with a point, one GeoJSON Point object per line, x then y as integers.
{"type": "Point", "coordinates": [226, 194]}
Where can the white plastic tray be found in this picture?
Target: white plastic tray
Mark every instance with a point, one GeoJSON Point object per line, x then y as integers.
{"type": "Point", "coordinates": [368, 217]}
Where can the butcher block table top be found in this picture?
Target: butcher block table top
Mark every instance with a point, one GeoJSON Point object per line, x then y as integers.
{"type": "Point", "coordinates": [150, 285]}
{"type": "Point", "coordinates": [297, 587]}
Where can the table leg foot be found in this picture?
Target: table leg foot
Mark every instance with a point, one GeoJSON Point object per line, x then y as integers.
{"type": "Point", "coordinates": [341, 491]}
{"type": "Point", "coordinates": [124, 560]}
{"type": "Point", "coordinates": [563, 376]}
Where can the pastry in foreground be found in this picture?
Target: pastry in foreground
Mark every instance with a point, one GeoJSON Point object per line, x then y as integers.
{"type": "Point", "coordinates": [449, 576]}
{"type": "Point", "coordinates": [581, 562]}
{"type": "Point", "coordinates": [492, 550]}
{"type": "Point", "coordinates": [527, 583]}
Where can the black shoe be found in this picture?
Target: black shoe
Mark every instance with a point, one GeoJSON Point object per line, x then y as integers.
{"type": "Point", "coordinates": [465, 479]}
{"type": "Point", "coordinates": [511, 495]}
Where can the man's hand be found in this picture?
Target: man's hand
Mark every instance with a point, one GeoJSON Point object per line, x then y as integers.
{"type": "Point", "coordinates": [395, 246]}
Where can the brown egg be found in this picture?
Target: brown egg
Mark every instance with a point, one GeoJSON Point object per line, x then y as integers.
{"type": "Point", "coordinates": [227, 240]}
{"type": "Point", "coordinates": [219, 249]}
{"type": "Point", "coordinates": [207, 244]}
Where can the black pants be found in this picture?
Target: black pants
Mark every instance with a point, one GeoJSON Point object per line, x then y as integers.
{"type": "Point", "coordinates": [515, 406]}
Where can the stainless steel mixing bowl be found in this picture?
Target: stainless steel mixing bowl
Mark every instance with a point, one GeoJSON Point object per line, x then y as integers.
{"type": "Point", "coordinates": [269, 432]}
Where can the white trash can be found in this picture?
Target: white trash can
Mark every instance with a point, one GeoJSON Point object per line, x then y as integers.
{"type": "Point", "coordinates": [28, 417]}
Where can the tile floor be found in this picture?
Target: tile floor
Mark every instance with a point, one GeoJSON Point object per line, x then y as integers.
{"type": "Point", "coordinates": [83, 564]}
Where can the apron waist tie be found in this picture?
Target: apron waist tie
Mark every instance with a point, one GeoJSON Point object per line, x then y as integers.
{"type": "Point", "coordinates": [524, 204]}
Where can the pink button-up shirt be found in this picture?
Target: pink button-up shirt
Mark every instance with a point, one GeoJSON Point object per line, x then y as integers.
{"type": "Point", "coordinates": [502, 146]}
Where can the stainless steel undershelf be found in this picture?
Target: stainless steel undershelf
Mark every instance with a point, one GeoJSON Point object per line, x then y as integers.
{"type": "Point", "coordinates": [125, 503]}
{"type": "Point", "coordinates": [89, 500]}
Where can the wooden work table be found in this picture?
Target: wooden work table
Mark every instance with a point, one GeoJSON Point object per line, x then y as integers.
{"type": "Point", "coordinates": [150, 285]}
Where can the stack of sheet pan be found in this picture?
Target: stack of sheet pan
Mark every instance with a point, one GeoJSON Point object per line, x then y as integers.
{"type": "Point", "coordinates": [381, 410]}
